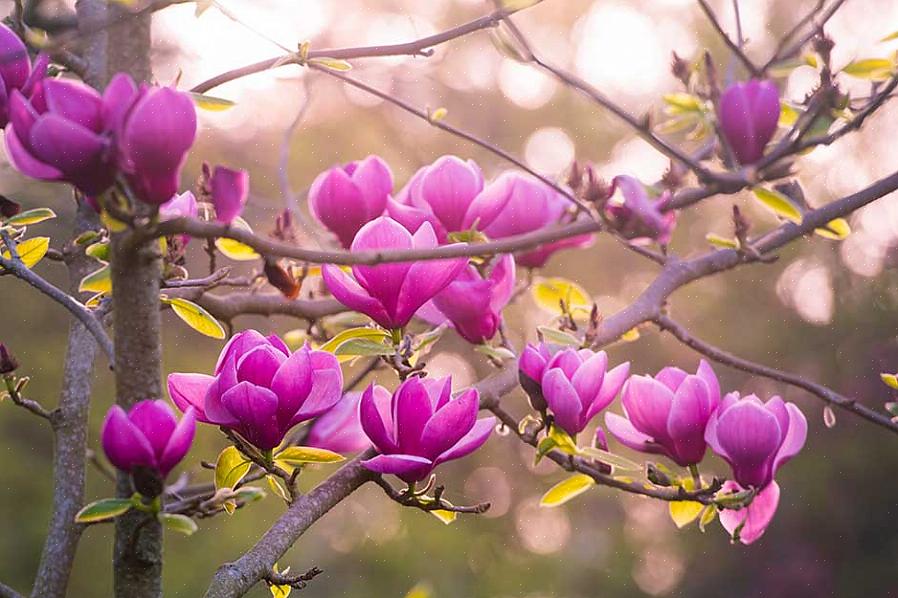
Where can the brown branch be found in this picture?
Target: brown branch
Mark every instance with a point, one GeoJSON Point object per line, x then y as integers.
{"type": "Point", "coordinates": [665, 323]}
{"type": "Point", "coordinates": [406, 498]}
{"type": "Point", "coordinates": [297, 582]}
{"type": "Point", "coordinates": [269, 247]}
{"type": "Point", "coordinates": [733, 46]}
{"type": "Point", "coordinates": [231, 305]}
{"type": "Point", "coordinates": [784, 52]}
{"type": "Point", "coordinates": [28, 404]}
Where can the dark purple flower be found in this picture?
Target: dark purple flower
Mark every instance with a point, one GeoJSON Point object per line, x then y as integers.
{"type": "Point", "coordinates": [148, 436]}
{"type": "Point", "coordinates": [421, 426]}
{"type": "Point", "coordinates": [16, 72]}
{"type": "Point", "coordinates": [748, 114]}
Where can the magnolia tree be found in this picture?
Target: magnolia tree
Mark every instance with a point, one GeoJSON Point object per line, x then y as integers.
{"type": "Point", "coordinates": [443, 254]}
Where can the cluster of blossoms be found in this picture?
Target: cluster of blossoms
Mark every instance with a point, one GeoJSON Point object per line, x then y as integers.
{"type": "Point", "coordinates": [675, 414]}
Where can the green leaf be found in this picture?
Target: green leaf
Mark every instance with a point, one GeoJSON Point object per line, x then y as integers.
{"type": "Point", "coordinates": [99, 251]}
{"type": "Point", "coordinates": [277, 486]}
{"type": "Point", "coordinates": [211, 103]}
{"type": "Point", "coordinates": [230, 468]}
{"type": "Point", "coordinates": [566, 489]}
{"type": "Point", "coordinates": [497, 353]}
{"type": "Point", "coordinates": [446, 517]}
{"type": "Point", "coordinates": [420, 590]}
{"type": "Point", "coordinates": [722, 242]}
{"type": "Point", "coordinates": [890, 37]}
{"type": "Point", "coordinates": [299, 455]}
{"type": "Point", "coordinates": [282, 591]}
{"type": "Point", "coordinates": [353, 333]}
{"type": "Point", "coordinates": [98, 281]}
{"type": "Point", "coordinates": [781, 205]}
{"type": "Point", "coordinates": [680, 103]}
{"type": "Point", "coordinates": [562, 440]}
{"type": "Point", "coordinates": [873, 69]}
{"type": "Point", "coordinates": [438, 115]}
{"type": "Point", "coordinates": [31, 217]}
{"type": "Point", "coordinates": [103, 509]}
{"type": "Point", "coordinates": [178, 523]}
{"type": "Point", "coordinates": [363, 347]}
{"type": "Point", "coordinates": [235, 250]}
{"type": "Point", "coordinates": [250, 493]}
{"type": "Point", "coordinates": [30, 251]}
{"type": "Point", "coordinates": [557, 337]}
{"type": "Point", "coordinates": [684, 512]}
{"type": "Point", "coordinates": [550, 293]}
{"type": "Point", "coordinates": [707, 516]}
{"type": "Point", "coordinates": [615, 461]}
{"type": "Point", "coordinates": [837, 230]}
{"type": "Point", "coordinates": [195, 316]}
{"type": "Point", "coordinates": [512, 5]}
{"type": "Point", "coordinates": [890, 380]}
{"type": "Point", "coordinates": [334, 64]}
{"type": "Point", "coordinates": [788, 114]}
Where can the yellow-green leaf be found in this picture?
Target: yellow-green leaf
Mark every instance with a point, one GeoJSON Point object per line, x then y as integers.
{"type": "Point", "coordinates": [511, 5]}
{"type": "Point", "coordinates": [98, 281]}
{"type": "Point", "coordinates": [873, 69]}
{"type": "Point", "coordinates": [299, 455]}
{"type": "Point", "coordinates": [357, 347]}
{"type": "Point", "coordinates": [679, 103]}
{"type": "Point", "coordinates": [31, 217]}
{"type": "Point", "coordinates": [549, 294]}
{"type": "Point", "coordinates": [282, 591]}
{"type": "Point", "coordinates": [788, 114]}
{"type": "Point", "coordinates": [277, 486]}
{"type": "Point", "coordinates": [334, 344]}
{"type": "Point", "coordinates": [420, 590]}
{"type": "Point", "coordinates": [230, 468]}
{"type": "Point", "coordinates": [111, 224]}
{"type": "Point", "coordinates": [557, 337]}
{"type": "Point", "coordinates": [781, 205]}
{"type": "Point", "coordinates": [630, 335]}
{"type": "Point", "coordinates": [235, 250]}
{"type": "Point", "coordinates": [438, 114]}
{"type": "Point", "coordinates": [684, 512]}
{"type": "Point", "coordinates": [103, 509]}
{"type": "Point", "coordinates": [615, 461]}
{"type": "Point", "coordinates": [196, 317]}
{"type": "Point", "coordinates": [837, 230]}
{"type": "Point", "coordinates": [707, 516]}
{"type": "Point", "coordinates": [890, 380]}
{"type": "Point", "coordinates": [211, 103]}
{"type": "Point", "coordinates": [566, 489]}
{"type": "Point", "coordinates": [890, 37]}
{"type": "Point", "coordinates": [296, 338]}
{"type": "Point", "coordinates": [446, 517]}
{"type": "Point", "coordinates": [721, 242]}
{"type": "Point", "coordinates": [178, 523]}
{"type": "Point", "coordinates": [30, 251]}
{"type": "Point", "coordinates": [334, 64]}
{"type": "Point", "coordinates": [99, 251]}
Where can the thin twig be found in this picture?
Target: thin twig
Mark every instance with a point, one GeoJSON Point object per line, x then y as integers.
{"type": "Point", "coordinates": [735, 48]}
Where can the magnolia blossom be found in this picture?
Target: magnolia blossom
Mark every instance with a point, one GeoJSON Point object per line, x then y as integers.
{"type": "Point", "coordinates": [756, 438]}
{"type": "Point", "coordinates": [390, 294]}
{"type": "Point", "coordinates": [229, 190]}
{"type": "Point", "coordinates": [639, 217]}
{"type": "Point", "coordinates": [261, 390]}
{"type": "Point", "coordinates": [474, 303]}
{"type": "Point", "coordinates": [421, 426]}
{"type": "Point", "coordinates": [575, 385]}
{"type": "Point", "coordinates": [148, 436]}
{"type": "Point", "coordinates": [16, 71]}
{"type": "Point", "coordinates": [751, 521]}
{"type": "Point", "coordinates": [345, 198]}
{"type": "Point", "coordinates": [748, 114]}
{"type": "Point", "coordinates": [667, 414]}
{"type": "Point", "coordinates": [527, 205]}
{"type": "Point", "coordinates": [339, 429]}
{"type": "Point", "coordinates": [183, 205]}
{"type": "Point", "coordinates": [447, 195]}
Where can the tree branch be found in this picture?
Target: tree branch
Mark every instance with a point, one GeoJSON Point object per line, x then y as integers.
{"type": "Point", "coordinates": [665, 323]}
{"type": "Point", "coordinates": [231, 305]}
{"type": "Point", "coordinates": [733, 46]}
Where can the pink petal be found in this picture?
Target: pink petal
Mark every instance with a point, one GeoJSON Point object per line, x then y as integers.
{"type": "Point", "coordinates": [189, 390]}
{"type": "Point", "coordinates": [756, 517]}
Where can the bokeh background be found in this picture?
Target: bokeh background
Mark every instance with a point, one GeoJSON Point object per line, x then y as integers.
{"type": "Point", "coordinates": [825, 309]}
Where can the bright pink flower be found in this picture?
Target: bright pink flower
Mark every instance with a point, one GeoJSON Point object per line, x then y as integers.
{"type": "Point", "coordinates": [147, 436]}
{"type": "Point", "coordinates": [229, 189]}
{"type": "Point", "coordinates": [639, 217]}
{"type": "Point", "coordinates": [345, 198]}
{"type": "Point", "coordinates": [750, 521]}
{"type": "Point", "coordinates": [339, 429]}
{"type": "Point", "coordinates": [390, 294]}
{"type": "Point", "coordinates": [16, 72]}
{"type": "Point", "coordinates": [421, 426]}
{"type": "Point", "coordinates": [748, 114]}
{"type": "Point", "coordinates": [667, 414]}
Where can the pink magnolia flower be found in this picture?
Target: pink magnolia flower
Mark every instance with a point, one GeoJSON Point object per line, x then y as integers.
{"type": "Point", "coordinates": [667, 414]}
{"type": "Point", "coordinates": [447, 195]}
{"type": "Point", "coordinates": [147, 436]}
{"type": "Point", "coordinates": [576, 385]}
{"type": "Point", "coordinates": [421, 426]}
{"type": "Point", "coordinates": [756, 438]}
{"type": "Point", "coordinates": [345, 198]}
{"type": "Point", "coordinates": [527, 205]}
{"type": "Point", "coordinates": [229, 189]}
{"type": "Point", "coordinates": [474, 304]}
{"type": "Point", "coordinates": [16, 71]}
{"type": "Point", "coordinates": [339, 429]}
{"type": "Point", "coordinates": [639, 217]}
{"type": "Point", "coordinates": [183, 205]}
{"type": "Point", "coordinates": [751, 522]}
{"type": "Point", "coordinates": [748, 114]}
{"type": "Point", "coordinates": [390, 294]}
{"type": "Point", "coordinates": [261, 390]}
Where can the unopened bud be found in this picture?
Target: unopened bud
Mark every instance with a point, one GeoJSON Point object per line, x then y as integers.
{"type": "Point", "coordinates": [656, 476]}
{"type": "Point", "coordinates": [281, 279]}
{"type": "Point", "coordinates": [8, 363]}
{"type": "Point", "coordinates": [679, 68]}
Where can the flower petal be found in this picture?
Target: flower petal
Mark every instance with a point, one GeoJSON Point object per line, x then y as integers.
{"type": "Point", "coordinates": [179, 442]}
{"type": "Point", "coordinates": [348, 292]}
{"type": "Point", "coordinates": [412, 408]}
{"type": "Point", "coordinates": [292, 383]}
{"type": "Point", "coordinates": [189, 390]}
{"type": "Point", "coordinates": [563, 401]}
{"type": "Point", "coordinates": [627, 435]}
{"type": "Point", "coordinates": [410, 468]}
{"type": "Point", "coordinates": [327, 386]}
{"type": "Point", "coordinates": [156, 422]}
{"type": "Point", "coordinates": [376, 427]}
{"type": "Point", "coordinates": [450, 423]}
{"type": "Point", "coordinates": [255, 409]}
{"type": "Point", "coordinates": [471, 441]}
{"type": "Point", "coordinates": [125, 446]}
{"type": "Point", "coordinates": [756, 517]}
{"type": "Point", "coordinates": [795, 437]}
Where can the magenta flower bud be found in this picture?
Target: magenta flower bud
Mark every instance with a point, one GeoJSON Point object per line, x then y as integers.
{"type": "Point", "coordinates": [8, 362]}
{"type": "Point", "coordinates": [527, 205]}
{"type": "Point", "coordinates": [183, 205]}
{"type": "Point", "coordinates": [748, 114]}
{"type": "Point", "coordinates": [756, 438]}
{"type": "Point", "coordinates": [230, 190]}
{"type": "Point", "coordinates": [531, 365]}
{"type": "Point", "coordinates": [639, 217]}
{"type": "Point", "coordinates": [576, 386]}
{"type": "Point", "coordinates": [340, 429]}
{"type": "Point", "coordinates": [260, 390]}
{"type": "Point", "coordinates": [474, 304]}
{"type": "Point", "coordinates": [447, 195]}
{"type": "Point", "coordinates": [421, 426]}
{"type": "Point", "coordinates": [148, 436]}
{"type": "Point", "coordinates": [16, 72]}
{"type": "Point", "coordinates": [345, 198]}
{"type": "Point", "coordinates": [390, 294]}
{"type": "Point", "coordinates": [667, 414]}
{"type": "Point", "coordinates": [754, 518]}
{"type": "Point", "coordinates": [154, 136]}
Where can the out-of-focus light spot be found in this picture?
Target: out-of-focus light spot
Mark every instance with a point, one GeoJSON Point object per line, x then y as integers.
{"type": "Point", "coordinates": [451, 364]}
{"type": "Point", "coordinates": [542, 531]}
{"type": "Point", "coordinates": [806, 286]}
{"type": "Point", "coordinates": [474, 66]}
{"type": "Point", "coordinates": [659, 570]}
{"type": "Point", "coordinates": [549, 150]}
{"type": "Point", "coordinates": [392, 28]}
{"type": "Point", "coordinates": [635, 157]}
{"type": "Point", "coordinates": [490, 484]}
{"type": "Point", "coordinates": [862, 255]}
{"type": "Point", "coordinates": [524, 85]}
{"type": "Point", "coordinates": [646, 521]}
